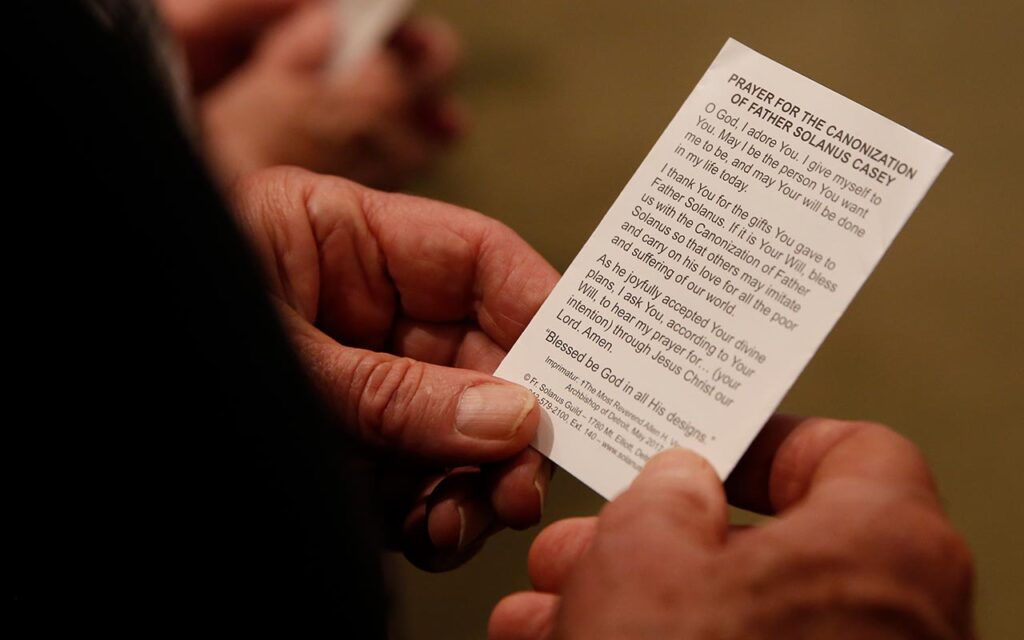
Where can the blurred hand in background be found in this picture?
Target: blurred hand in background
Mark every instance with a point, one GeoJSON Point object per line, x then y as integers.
{"type": "Point", "coordinates": [267, 96]}
{"type": "Point", "coordinates": [218, 36]}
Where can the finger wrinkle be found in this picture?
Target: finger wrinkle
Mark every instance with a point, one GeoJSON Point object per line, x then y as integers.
{"type": "Point", "coordinates": [387, 386]}
{"type": "Point", "coordinates": [367, 271]}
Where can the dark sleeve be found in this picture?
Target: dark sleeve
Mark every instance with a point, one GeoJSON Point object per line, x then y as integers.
{"type": "Point", "coordinates": [171, 466]}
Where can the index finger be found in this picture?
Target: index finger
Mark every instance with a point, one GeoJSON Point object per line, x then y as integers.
{"type": "Point", "coordinates": [794, 458]}
{"type": "Point", "coordinates": [445, 263]}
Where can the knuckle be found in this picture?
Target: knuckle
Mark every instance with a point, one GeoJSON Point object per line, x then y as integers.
{"type": "Point", "coordinates": [621, 514]}
{"type": "Point", "coordinates": [886, 438]}
{"type": "Point", "coordinates": [686, 501]}
{"type": "Point", "coordinates": [817, 439]}
{"type": "Point", "coordinates": [844, 429]}
{"type": "Point", "coordinates": [879, 431]}
{"type": "Point", "coordinates": [384, 389]}
{"type": "Point", "coordinates": [847, 427]}
{"type": "Point", "coordinates": [875, 431]}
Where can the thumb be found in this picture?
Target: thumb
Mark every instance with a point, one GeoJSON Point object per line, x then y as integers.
{"type": "Point", "coordinates": [678, 493]}
{"type": "Point", "coordinates": [432, 413]}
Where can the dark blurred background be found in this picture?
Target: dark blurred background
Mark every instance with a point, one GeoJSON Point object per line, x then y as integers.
{"type": "Point", "coordinates": [568, 97]}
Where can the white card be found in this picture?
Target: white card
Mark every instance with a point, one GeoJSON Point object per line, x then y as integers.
{"type": "Point", "coordinates": [718, 271]}
{"type": "Point", "coordinates": [362, 26]}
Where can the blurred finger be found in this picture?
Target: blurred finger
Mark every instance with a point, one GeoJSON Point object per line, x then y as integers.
{"type": "Point", "coordinates": [794, 458]}
{"type": "Point", "coordinates": [399, 144]}
{"type": "Point", "coordinates": [217, 36]}
{"type": "Point", "coordinates": [518, 488]}
{"type": "Point", "coordinates": [871, 490]}
{"type": "Point", "coordinates": [429, 50]}
{"type": "Point", "coordinates": [302, 40]}
{"type": "Point", "coordinates": [225, 15]}
{"type": "Point", "coordinates": [524, 616]}
{"type": "Point", "coordinates": [399, 491]}
{"type": "Point", "coordinates": [557, 549]}
{"type": "Point", "coordinates": [748, 484]}
{"type": "Point", "coordinates": [737, 530]}
{"type": "Point", "coordinates": [451, 525]}
{"type": "Point", "coordinates": [458, 512]}
{"type": "Point", "coordinates": [442, 119]}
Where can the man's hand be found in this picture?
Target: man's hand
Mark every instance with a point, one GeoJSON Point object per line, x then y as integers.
{"type": "Point", "coordinates": [860, 549]}
{"type": "Point", "coordinates": [401, 307]}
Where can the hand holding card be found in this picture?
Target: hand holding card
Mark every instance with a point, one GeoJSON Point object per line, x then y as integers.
{"type": "Point", "coordinates": [718, 271]}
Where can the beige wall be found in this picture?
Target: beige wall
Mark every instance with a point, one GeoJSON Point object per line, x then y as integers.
{"type": "Point", "coordinates": [568, 97]}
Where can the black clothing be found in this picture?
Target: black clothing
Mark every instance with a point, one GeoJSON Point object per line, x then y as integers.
{"type": "Point", "coordinates": [171, 465]}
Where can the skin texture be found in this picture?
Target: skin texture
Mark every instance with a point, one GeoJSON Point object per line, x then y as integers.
{"type": "Point", "coordinates": [266, 94]}
{"type": "Point", "coordinates": [859, 548]}
{"type": "Point", "coordinates": [398, 306]}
